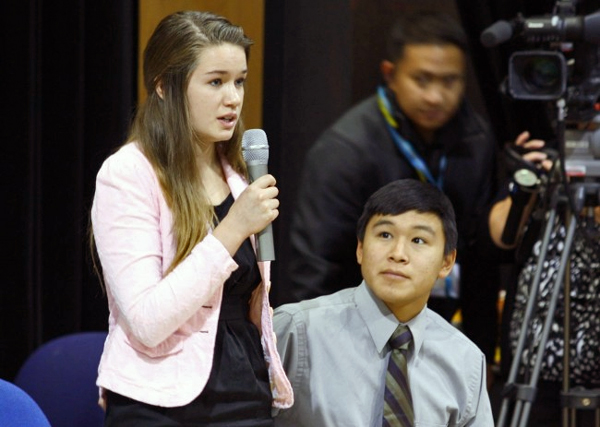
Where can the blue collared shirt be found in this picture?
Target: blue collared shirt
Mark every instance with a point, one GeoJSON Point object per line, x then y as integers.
{"type": "Point", "coordinates": [335, 352]}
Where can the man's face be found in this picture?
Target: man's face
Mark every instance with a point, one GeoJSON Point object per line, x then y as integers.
{"type": "Point", "coordinates": [429, 83]}
{"type": "Point", "coordinates": [401, 257]}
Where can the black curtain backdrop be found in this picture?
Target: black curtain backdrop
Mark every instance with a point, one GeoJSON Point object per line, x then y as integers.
{"type": "Point", "coordinates": [323, 57]}
{"type": "Point", "coordinates": [69, 69]}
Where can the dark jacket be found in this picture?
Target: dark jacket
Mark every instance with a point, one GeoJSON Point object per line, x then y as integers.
{"type": "Point", "coordinates": [354, 158]}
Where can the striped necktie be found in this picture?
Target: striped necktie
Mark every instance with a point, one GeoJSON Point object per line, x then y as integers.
{"type": "Point", "coordinates": [397, 405]}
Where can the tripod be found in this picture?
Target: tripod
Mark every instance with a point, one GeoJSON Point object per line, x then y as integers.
{"type": "Point", "coordinates": [582, 195]}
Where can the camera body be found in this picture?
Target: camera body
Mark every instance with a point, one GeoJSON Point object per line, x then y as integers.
{"type": "Point", "coordinates": [561, 63]}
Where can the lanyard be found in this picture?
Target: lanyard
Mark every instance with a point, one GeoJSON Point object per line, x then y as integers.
{"type": "Point", "coordinates": [406, 147]}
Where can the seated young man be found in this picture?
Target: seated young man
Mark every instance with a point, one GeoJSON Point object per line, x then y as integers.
{"type": "Point", "coordinates": [335, 348]}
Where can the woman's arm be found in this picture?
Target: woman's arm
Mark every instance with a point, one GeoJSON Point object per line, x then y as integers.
{"type": "Point", "coordinates": [501, 210]}
{"type": "Point", "coordinates": [132, 230]}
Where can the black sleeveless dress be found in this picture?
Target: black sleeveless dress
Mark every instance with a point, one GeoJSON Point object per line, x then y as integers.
{"type": "Point", "coordinates": [238, 392]}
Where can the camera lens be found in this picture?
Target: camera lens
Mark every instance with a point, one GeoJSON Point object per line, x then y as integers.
{"type": "Point", "coordinates": [541, 74]}
{"type": "Point", "coordinates": [537, 75]}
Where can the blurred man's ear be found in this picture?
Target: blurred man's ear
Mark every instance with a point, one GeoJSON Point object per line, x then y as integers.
{"type": "Point", "coordinates": [449, 261]}
{"type": "Point", "coordinates": [387, 70]}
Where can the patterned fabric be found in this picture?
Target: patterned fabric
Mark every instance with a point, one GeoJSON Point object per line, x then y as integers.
{"type": "Point", "coordinates": [397, 407]}
{"type": "Point", "coordinates": [584, 346]}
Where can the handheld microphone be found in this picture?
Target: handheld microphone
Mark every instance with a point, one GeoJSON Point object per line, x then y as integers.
{"type": "Point", "coordinates": [255, 149]}
{"type": "Point", "coordinates": [523, 191]}
{"type": "Point", "coordinates": [497, 33]}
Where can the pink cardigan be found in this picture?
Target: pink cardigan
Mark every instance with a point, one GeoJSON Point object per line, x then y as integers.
{"type": "Point", "coordinates": [161, 330]}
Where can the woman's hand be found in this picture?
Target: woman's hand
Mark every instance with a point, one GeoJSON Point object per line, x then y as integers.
{"type": "Point", "coordinates": [533, 156]}
{"type": "Point", "coordinates": [251, 213]}
{"type": "Point", "coordinates": [500, 211]}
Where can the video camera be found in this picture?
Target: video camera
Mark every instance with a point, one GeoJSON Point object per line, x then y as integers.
{"type": "Point", "coordinates": [564, 64]}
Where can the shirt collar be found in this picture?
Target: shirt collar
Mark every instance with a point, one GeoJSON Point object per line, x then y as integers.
{"type": "Point", "coordinates": [405, 126]}
{"type": "Point", "coordinates": [381, 322]}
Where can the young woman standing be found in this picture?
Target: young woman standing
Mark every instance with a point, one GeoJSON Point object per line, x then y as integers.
{"type": "Point", "coordinates": [190, 337]}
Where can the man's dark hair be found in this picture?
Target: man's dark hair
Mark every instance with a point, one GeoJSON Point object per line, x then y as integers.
{"type": "Point", "coordinates": [406, 195]}
{"type": "Point", "coordinates": [425, 27]}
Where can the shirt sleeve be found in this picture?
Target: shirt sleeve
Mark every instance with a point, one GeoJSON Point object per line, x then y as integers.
{"type": "Point", "coordinates": [128, 232]}
{"type": "Point", "coordinates": [289, 344]}
{"type": "Point", "coordinates": [290, 331]}
{"type": "Point", "coordinates": [483, 413]}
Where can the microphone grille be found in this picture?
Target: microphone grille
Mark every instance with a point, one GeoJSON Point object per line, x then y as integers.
{"type": "Point", "coordinates": [255, 147]}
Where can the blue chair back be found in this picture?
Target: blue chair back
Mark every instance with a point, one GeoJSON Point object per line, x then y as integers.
{"type": "Point", "coordinates": [18, 409]}
{"type": "Point", "coordinates": [61, 377]}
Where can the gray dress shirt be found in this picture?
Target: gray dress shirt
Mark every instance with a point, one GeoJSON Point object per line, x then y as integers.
{"type": "Point", "coordinates": [335, 352]}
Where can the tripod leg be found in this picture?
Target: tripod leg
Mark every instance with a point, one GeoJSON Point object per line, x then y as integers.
{"type": "Point", "coordinates": [514, 369]}
{"type": "Point", "coordinates": [517, 413]}
{"type": "Point", "coordinates": [564, 261]}
{"type": "Point", "coordinates": [566, 412]}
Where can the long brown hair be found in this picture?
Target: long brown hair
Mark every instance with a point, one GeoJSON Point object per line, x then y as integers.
{"type": "Point", "coordinates": [162, 127]}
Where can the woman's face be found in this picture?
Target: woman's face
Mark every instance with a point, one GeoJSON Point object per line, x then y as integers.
{"type": "Point", "coordinates": [216, 92]}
